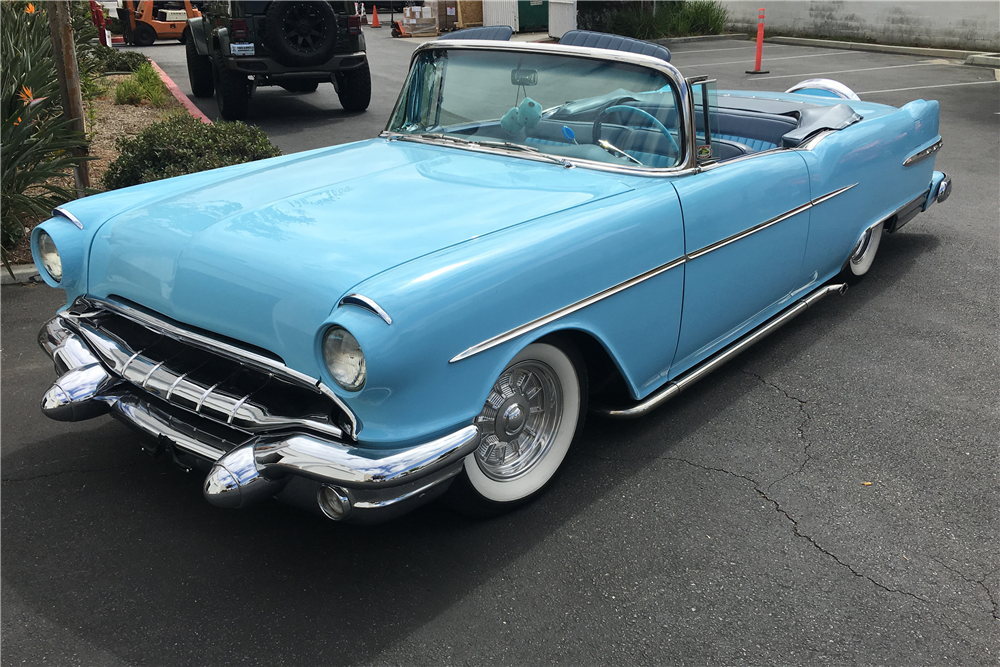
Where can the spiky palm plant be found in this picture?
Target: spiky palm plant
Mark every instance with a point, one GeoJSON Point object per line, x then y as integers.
{"type": "Point", "coordinates": [36, 142]}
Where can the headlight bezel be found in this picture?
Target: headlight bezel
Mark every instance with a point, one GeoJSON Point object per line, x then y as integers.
{"type": "Point", "coordinates": [49, 257]}
{"type": "Point", "coordinates": [344, 359]}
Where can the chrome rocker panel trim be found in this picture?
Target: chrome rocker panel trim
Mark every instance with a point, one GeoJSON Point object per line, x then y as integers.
{"type": "Point", "coordinates": [611, 291]}
{"type": "Point", "coordinates": [676, 386]}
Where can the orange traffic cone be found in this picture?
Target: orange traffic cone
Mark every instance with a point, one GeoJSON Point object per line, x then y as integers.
{"type": "Point", "coordinates": [375, 23]}
{"type": "Point", "coordinates": [364, 15]}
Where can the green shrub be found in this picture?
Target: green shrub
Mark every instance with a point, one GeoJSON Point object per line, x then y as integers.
{"type": "Point", "coordinates": [107, 59]}
{"type": "Point", "coordinates": [184, 145]}
{"type": "Point", "coordinates": [36, 142]}
{"type": "Point", "coordinates": [644, 20]}
{"type": "Point", "coordinates": [128, 91]}
{"type": "Point", "coordinates": [705, 17]}
{"type": "Point", "coordinates": [151, 84]}
{"type": "Point", "coordinates": [144, 84]}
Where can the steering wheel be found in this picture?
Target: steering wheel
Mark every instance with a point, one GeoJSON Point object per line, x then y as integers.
{"type": "Point", "coordinates": [624, 107]}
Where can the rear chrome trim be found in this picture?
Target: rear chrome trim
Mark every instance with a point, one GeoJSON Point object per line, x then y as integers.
{"type": "Point", "coordinates": [922, 155]}
{"type": "Point", "coordinates": [361, 301]}
{"type": "Point", "coordinates": [217, 347]}
{"type": "Point", "coordinates": [675, 387]}
{"type": "Point", "coordinates": [611, 291]}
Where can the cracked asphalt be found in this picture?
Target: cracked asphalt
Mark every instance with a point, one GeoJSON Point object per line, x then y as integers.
{"type": "Point", "coordinates": [829, 497]}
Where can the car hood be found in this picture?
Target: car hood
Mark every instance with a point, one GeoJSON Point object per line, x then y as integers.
{"type": "Point", "coordinates": [263, 254]}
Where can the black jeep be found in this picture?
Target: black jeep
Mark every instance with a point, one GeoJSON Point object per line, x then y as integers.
{"type": "Point", "coordinates": [233, 47]}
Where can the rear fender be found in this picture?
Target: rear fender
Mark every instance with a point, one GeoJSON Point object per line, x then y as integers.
{"type": "Point", "coordinates": [196, 26]}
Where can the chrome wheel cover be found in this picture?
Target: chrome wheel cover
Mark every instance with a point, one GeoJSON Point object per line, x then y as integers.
{"type": "Point", "coordinates": [519, 420]}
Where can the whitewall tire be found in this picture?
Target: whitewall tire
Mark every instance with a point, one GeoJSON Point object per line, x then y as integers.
{"type": "Point", "coordinates": [528, 422]}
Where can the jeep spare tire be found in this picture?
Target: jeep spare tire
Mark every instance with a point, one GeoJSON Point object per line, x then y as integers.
{"type": "Point", "coordinates": [301, 33]}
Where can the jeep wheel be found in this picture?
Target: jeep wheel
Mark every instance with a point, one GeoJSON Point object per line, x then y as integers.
{"type": "Point", "coordinates": [299, 33]}
{"type": "Point", "coordinates": [199, 69]}
{"type": "Point", "coordinates": [300, 86]}
{"type": "Point", "coordinates": [354, 88]}
{"type": "Point", "coordinates": [232, 90]}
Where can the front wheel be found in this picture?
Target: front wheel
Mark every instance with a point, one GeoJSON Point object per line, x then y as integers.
{"type": "Point", "coordinates": [532, 415]}
{"type": "Point", "coordinates": [144, 35]}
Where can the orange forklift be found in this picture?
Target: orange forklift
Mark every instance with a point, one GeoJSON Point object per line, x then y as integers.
{"type": "Point", "coordinates": [146, 21]}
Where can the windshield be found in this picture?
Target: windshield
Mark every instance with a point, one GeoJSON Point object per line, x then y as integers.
{"type": "Point", "coordinates": [555, 105]}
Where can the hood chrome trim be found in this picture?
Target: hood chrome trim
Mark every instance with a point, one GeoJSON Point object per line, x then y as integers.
{"type": "Point", "coordinates": [362, 301]}
{"type": "Point", "coordinates": [60, 212]}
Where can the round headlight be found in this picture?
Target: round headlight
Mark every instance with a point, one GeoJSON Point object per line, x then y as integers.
{"type": "Point", "coordinates": [344, 358]}
{"type": "Point", "coordinates": [49, 255]}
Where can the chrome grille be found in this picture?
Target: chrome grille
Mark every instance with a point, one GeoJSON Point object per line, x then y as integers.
{"type": "Point", "coordinates": [222, 387]}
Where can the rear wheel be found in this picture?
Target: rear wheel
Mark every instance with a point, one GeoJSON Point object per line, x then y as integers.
{"type": "Point", "coordinates": [144, 35]}
{"type": "Point", "coordinates": [232, 90]}
{"type": "Point", "coordinates": [199, 69]}
{"type": "Point", "coordinates": [863, 255]}
{"type": "Point", "coordinates": [531, 417]}
{"type": "Point", "coordinates": [354, 88]}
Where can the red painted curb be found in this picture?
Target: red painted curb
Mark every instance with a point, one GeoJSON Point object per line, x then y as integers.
{"type": "Point", "coordinates": [179, 94]}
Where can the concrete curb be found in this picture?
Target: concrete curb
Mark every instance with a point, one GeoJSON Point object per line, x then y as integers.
{"type": "Point", "coordinates": [699, 38]}
{"type": "Point", "coordinates": [880, 48]}
{"type": "Point", "coordinates": [23, 273]}
{"type": "Point", "coordinates": [984, 60]}
{"type": "Point", "coordinates": [180, 96]}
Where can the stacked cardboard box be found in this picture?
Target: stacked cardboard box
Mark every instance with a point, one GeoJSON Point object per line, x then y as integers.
{"type": "Point", "coordinates": [421, 21]}
{"type": "Point", "coordinates": [447, 11]}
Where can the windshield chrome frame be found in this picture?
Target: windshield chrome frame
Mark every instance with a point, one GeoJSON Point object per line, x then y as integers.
{"type": "Point", "coordinates": [685, 102]}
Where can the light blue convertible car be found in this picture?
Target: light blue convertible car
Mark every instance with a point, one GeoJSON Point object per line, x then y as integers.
{"type": "Point", "coordinates": [541, 230]}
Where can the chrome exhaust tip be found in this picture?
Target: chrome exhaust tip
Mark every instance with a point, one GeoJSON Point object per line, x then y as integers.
{"type": "Point", "coordinates": [334, 502]}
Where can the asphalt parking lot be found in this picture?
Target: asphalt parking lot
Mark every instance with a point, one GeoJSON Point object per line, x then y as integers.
{"type": "Point", "coordinates": [732, 526]}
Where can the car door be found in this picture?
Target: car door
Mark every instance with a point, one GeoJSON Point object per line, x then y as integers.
{"type": "Point", "coordinates": [745, 230]}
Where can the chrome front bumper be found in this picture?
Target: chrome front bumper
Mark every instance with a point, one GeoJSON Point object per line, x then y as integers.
{"type": "Point", "coordinates": [246, 466]}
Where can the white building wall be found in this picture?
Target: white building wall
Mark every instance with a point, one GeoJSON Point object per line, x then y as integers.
{"type": "Point", "coordinates": [562, 17]}
{"type": "Point", "coordinates": [961, 24]}
{"type": "Point", "coordinates": [501, 12]}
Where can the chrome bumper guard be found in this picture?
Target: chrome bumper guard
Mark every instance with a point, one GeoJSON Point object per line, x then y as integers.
{"type": "Point", "coordinates": [248, 467]}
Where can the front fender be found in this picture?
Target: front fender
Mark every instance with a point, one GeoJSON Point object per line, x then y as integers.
{"type": "Point", "coordinates": [444, 303]}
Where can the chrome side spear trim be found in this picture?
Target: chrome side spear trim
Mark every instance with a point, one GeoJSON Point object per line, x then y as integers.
{"type": "Point", "coordinates": [611, 291]}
